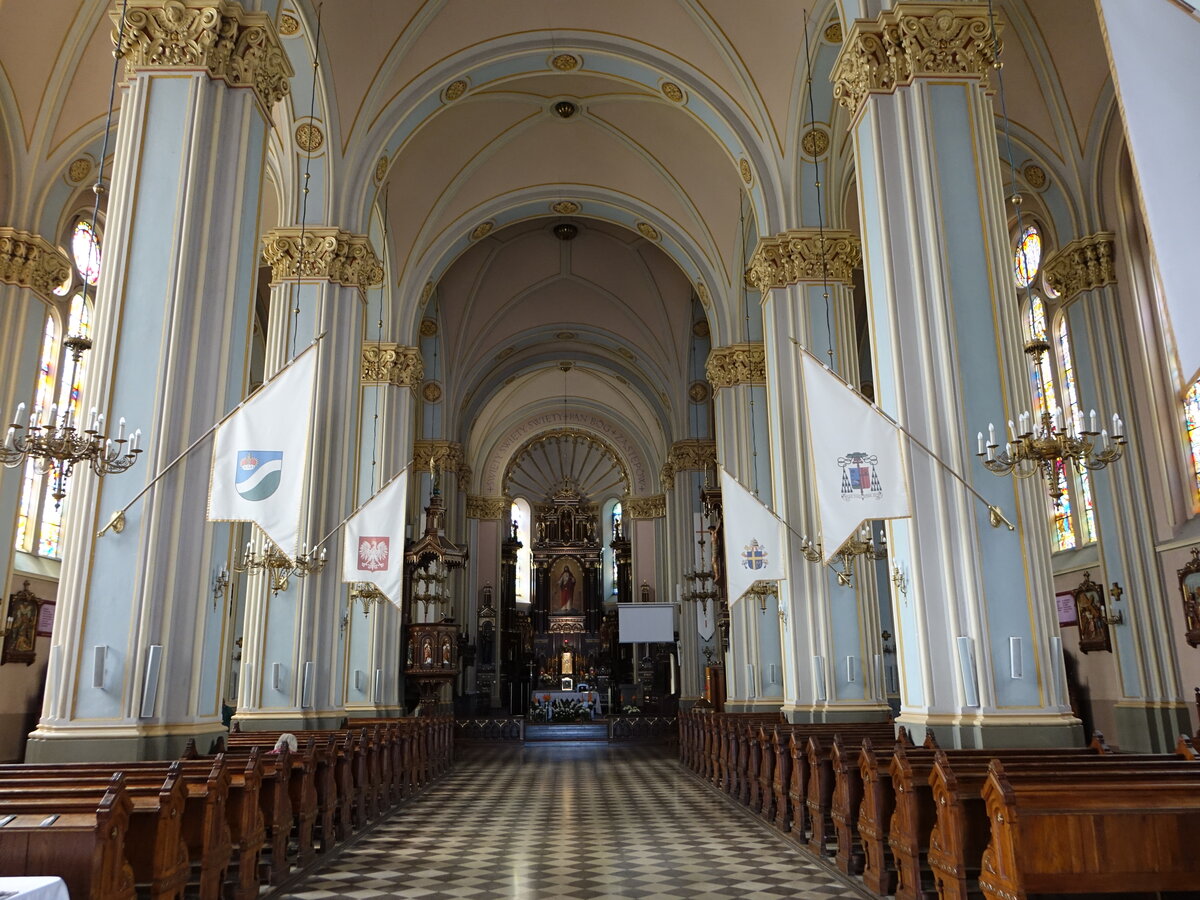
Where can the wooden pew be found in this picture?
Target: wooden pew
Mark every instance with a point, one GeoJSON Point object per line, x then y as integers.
{"type": "Point", "coordinates": [1088, 833]}
{"type": "Point", "coordinates": [820, 791]}
{"type": "Point", "coordinates": [84, 847]}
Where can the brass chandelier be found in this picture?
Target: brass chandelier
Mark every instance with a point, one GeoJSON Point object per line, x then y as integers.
{"type": "Point", "coordinates": [861, 544]}
{"type": "Point", "coordinates": [278, 566]}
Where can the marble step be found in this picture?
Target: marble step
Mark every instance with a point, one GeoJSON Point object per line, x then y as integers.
{"type": "Point", "coordinates": [566, 731]}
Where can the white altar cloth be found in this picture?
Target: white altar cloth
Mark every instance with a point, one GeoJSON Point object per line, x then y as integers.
{"type": "Point", "coordinates": [539, 696]}
{"type": "Point", "coordinates": [33, 887]}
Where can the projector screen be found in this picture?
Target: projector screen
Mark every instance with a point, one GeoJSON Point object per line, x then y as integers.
{"type": "Point", "coordinates": [646, 623]}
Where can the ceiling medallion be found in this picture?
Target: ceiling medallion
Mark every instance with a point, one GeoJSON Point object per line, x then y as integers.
{"type": "Point", "coordinates": [482, 230]}
{"type": "Point", "coordinates": [565, 62]}
{"type": "Point", "coordinates": [833, 33]}
{"type": "Point", "coordinates": [455, 90]}
{"type": "Point", "coordinates": [700, 328]}
{"type": "Point", "coordinates": [505, 353]}
{"type": "Point", "coordinates": [564, 109]}
{"type": "Point", "coordinates": [1035, 176]}
{"type": "Point", "coordinates": [429, 328]}
{"type": "Point", "coordinates": [744, 168]}
{"type": "Point", "coordinates": [627, 353]}
{"type": "Point", "coordinates": [702, 293]}
{"type": "Point", "coordinates": [698, 391]}
{"type": "Point", "coordinates": [289, 24]}
{"type": "Point", "coordinates": [381, 168]}
{"type": "Point", "coordinates": [566, 364]}
{"type": "Point", "coordinates": [648, 231]}
{"type": "Point", "coordinates": [565, 207]}
{"type": "Point", "coordinates": [432, 392]}
{"type": "Point", "coordinates": [565, 231]}
{"type": "Point", "coordinates": [814, 143]}
{"type": "Point", "coordinates": [565, 335]}
{"type": "Point", "coordinates": [672, 92]}
{"type": "Point", "coordinates": [79, 170]}
{"type": "Point", "coordinates": [309, 137]}
{"type": "Point", "coordinates": [426, 292]}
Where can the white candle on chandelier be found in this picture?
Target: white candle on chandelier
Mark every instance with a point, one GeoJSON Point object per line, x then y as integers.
{"type": "Point", "coordinates": [1012, 431]}
{"type": "Point", "coordinates": [92, 419]}
{"type": "Point", "coordinates": [1104, 439]}
{"type": "Point", "coordinates": [8, 439]}
{"type": "Point", "coordinates": [991, 452]}
{"type": "Point", "coordinates": [20, 415]}
{"type": "Point", "coordinates": [100, 424]}
{"type": "Point", "coordinates": [1116, 422]}
{"type": "Point", "coordinates": [980, 436]}
{"type": "Point", "coordinates": [1058, 420]}
{"type": "Point", "coordinates": [991, 434]}
{"type": "Point", "coordinates": [137, 439]}
{"type": "Point", "coordinates": [1120, 430]}
{"type": "Point", "coordinates": [1092, 422]}
{"type": "Point", "coordinates": [35, 420]}
{"type": "Point", "coordinates": [50, 418]}
{"type": "Point", "coordinates": [108, 450]}
{"type": "Point", "coordinates": [121, 429]}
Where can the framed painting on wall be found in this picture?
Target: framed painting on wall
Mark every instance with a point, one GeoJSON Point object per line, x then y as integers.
{"type": "Point", "coordinates": [1092, 616]}
{"type": "Point", "coordinates": [1189, 586]}
{"type": "Point", "coordinates": [20, 635]}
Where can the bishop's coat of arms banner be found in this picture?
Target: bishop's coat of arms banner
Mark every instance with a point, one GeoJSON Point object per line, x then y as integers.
{"type": "Point", "coordinates": [754, 539]}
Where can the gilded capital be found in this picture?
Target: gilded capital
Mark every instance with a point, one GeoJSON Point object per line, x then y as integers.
{"type": "Point", "coordinates": [487, 507]}
{"type": "Point", "coordinates": [30, 261]}
{"type": "Point", "coordinates": [391, 364]}
{"type": "Point", "coordinates": [689, 455]}
{"type": "Point", "coordinates": [653, 507]}
{"type": "Point", "coordinates": [736, 364]}
{"type": "Point", "coordinates": [910, 41]}
{"type": "Point", "coordinates": [238, 47]}
{"type": "Point", "coordinates": [804, 254]}
{"type": "Point", "coordinates": [1083, 265]}
{"type": "Point", "coordinates": [446, 456]}
{"type": "Point", "coordinates": [328, 254]}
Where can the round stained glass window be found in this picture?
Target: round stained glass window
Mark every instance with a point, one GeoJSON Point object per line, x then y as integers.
{"type": "Point", "coordinates": [86, 250]}
{"type": "Point", "coordinates": [1028, 257]}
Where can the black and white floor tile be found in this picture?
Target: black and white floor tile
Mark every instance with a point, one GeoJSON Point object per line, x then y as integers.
{"type": "Point", "coordinates": [571, 821]}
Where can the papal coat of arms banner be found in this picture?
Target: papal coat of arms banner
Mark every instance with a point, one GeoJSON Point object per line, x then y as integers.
{"type": "Point", "coordinates": [754, 539]}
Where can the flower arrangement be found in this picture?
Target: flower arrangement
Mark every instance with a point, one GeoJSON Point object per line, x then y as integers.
{"type": "Point", "coordinates": [630, 710]}
{"type": "Point", "coordinates": [559, 711]}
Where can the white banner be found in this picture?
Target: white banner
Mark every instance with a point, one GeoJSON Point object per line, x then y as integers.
{"type": "Point", "coordinates": [855, 452]}
{"type": "Point", "coordinates": [260, 455]}
{"type": "Point", "coordinates": [754, 539]}
{"type": "Point", "coordinates": [373, 545]}
{"type": "Point", "coordinates": [706, 622]}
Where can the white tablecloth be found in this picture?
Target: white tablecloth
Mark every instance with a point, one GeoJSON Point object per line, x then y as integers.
{"type": "Point", "coordinates": [540, 697]}
{"type": "Point", "coordinates": [33, 887]}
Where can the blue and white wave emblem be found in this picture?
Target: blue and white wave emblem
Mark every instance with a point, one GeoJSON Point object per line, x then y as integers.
{"type": "Point", "coordinates": [258, 473]}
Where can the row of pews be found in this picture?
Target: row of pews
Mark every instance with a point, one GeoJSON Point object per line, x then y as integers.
{"type": "Point", "coordinates": [215, 826]}
{"type": "Point", "coordinates": [919, 822]}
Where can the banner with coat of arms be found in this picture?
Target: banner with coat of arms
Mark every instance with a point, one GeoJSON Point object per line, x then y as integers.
{"type": "Point", "coordinates": [755, 539]}
{"type": "Point", "coordinates": [855, 450]}
{"type": "Point", "coordinates": [260, 454]}
{"type": "Point", "coordinates": [373, 545]}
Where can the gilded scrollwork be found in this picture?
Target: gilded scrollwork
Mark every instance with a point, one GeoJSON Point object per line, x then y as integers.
{"type": "Point", "coordinates": [445, 455]}
{"type": "Point", "coordinates": [653, 507]}
{"type": "Point", "coordinates": [329, 254]}
{"type": "Point", "coordinates": [487, 507]}
{"type": "Point", "coordinates": [910, 41]}
{"type": "Point", "coordinates": [29, 261]}
{"type": "Point", "coordinates": [238, 47]}
{"type": "Point", "coordinates": [807, 254]}
{"type": "Point", "coordinates": [689, 455]}
{"type": "Point", "coordinates": [736, 364]}
{"type": "Point", "coordinates": [384, 363]}
{"type": "Point", "coordinates": [1083, 265]}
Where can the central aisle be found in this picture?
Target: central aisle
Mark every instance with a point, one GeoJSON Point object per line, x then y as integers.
{"type": "Point", "coordinates": [571, 821]}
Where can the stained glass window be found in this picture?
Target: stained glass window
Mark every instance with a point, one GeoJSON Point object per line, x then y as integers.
{"type": "Point", "coordinates": [1191, 417]}
{"type": "Point", "coordinates": [521, 514]}
{"type": "Point", "coordinates": [1070, 395]}
{"type": "Point", "coordinates": [615, 522]}
{"type": "Point", "coordinates": [1041, 376]}
{"type": "Point", "coordinates": [1060, 515]}
{"type": "Point", "coordinates": [85, 248]}
{"type": "Point", "coordinates": [32, 482]}
{"type": "Point", "coordinates": [1027, 257]}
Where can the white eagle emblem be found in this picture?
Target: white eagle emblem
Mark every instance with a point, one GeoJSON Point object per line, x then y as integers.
{"type": "Point", "coordinates": [373, 554]}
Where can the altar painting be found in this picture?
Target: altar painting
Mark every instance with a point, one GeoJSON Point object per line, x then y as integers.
{"type": "Point", "coordinates": [566, 587]}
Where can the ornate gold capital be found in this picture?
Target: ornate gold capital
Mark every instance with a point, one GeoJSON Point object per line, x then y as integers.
{"type": "Point", "coordinates": [1083, 265]}
{"type": "Point", "coordinates": [653, 507]}
{"type": "Point", "coordinates": [910, 41]}
{"type": "Point", "coordinates": [687, 455]}
{"type": "Point", "coordinates": [799, 255]}
{"type": "Point", "coordinates": [30, 261]}
{"type": "Point", "coordinates": [391, 364]}
{"type": "Point", "coordinates": [238, 47]}
{"type": "Point", "coordinates": [446, 455]}
{"type": "Point", "coordinates": [487, 507]}
{"type": "Point", "coordinates": [329, 254]}
{"type": "Point", "coordinates": [736, 364]}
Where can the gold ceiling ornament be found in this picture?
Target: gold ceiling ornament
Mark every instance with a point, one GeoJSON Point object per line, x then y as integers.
{"type": "Point", "coordinates": [487, 507]}
{"type": "Point", "coordinates": [1083, 265]}
{"type": "Point", "coordinates": [384, 363]}
{"type": "Point", "coordinates": [627, 353]}
{"type": "Point", "coordinates": [30, 261]}
{"type": "Point", "coordinates": [652, 507]}
{"type": "Point", "coordinates": [911, 41]}
{"type": "Point", "coordinates": [702, 293]}
{"type": "Point", "coordinates": [1035, 176]}
{"type": "Point", "coordinates": [505, 354]}
{"type": "Point", "coordinates": [309, 137]}
{"type": "Point", "coordinates": [565, 207]}
{"type": "Point", "coordinates": [238, 47]}
{"type": "Point", "coordinates": [381, 169]}
{"type": "Point", "coordinates": [565, 335]}
{"type": "Point", "coordinates": [744, 168]}
{"type": "Point", "coordinates": [700, 328]}
{"type": "Point", "coordinates": [429, 328]}
{"type": "Point", "coordinates": [431, 392]}
{"type": "Point", "coordinates": [289, 25]}
{"type": "Point", "coordinates": [833, 32]}
{"type": "Point", "coordinates": [426, 292]}
{"type": "Point", "coordinates": [798, 255]}
{"type": "Point", "coordinates": [329, 254]}
{"type": "Point", "coordinates": [698, 391]}
{"type": "Point", "coordinates": [648, 231]}
{"type": "Point", "coordinates": [565, 62]}
{"type": "Point", "coordinates": [483, 229]}
{"type": "Point", "coordinates": [690, 455]}
{"type": "Point", "coordinates": [815, 142]}
{"type": "Point", "coordinates": [455, 89]}
{"type": "Point", "coordinates": [79, 170]}
{"type": "Point", "coordinates": [672, 91]}
{"type": "Point", "coordinates": [736, 364]}
{"type": "Point", "coordinates": [444, 455]}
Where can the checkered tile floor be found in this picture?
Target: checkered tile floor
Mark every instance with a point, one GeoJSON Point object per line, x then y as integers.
{"type": "Point", "coordinates": [571, 821]}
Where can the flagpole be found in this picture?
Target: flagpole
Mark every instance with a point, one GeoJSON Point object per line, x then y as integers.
{"type": "Point", "coordinates": [339, 525]}
{"type": "Point", "coordinates": [996, 516]}
{"type": "Point", "coordinates": [117, 521]}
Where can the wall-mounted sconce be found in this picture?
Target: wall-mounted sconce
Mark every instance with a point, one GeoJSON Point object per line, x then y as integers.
{"type": "Point", "coordinates": [220, 585]}
{"type": "Point", "coordinates": [1119, 617]}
